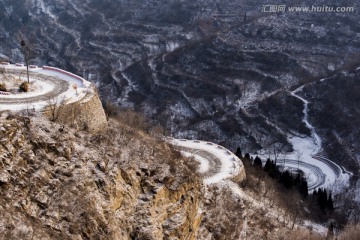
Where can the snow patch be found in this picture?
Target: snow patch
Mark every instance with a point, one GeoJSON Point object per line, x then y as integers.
{"type": "Point", "coordinates": [172, 46]}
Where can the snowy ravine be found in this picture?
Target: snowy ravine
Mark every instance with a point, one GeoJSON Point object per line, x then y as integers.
{"type": "Point", "coordinates": [320, 171]}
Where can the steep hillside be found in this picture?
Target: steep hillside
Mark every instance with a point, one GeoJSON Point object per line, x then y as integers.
{"type": "Point", "coordinates": [60, 183]}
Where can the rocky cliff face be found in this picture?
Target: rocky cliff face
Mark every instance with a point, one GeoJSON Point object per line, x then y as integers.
{"type": "Point", "coordinates": [60, 183]}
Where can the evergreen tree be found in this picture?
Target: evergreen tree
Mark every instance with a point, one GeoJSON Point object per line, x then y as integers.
{"type": "Point", "coordinates": [238, 152]}
{"type": "Point", "coordinates": [322, 198]}
{"type": "Point", "coordinates": [315, 193]}
{"type": "Point", "coordinates": [274, 172]}
{"type": "Point", "coordinates": [303, 188]}
{"type": "Point", "coordinates": [268, 166]}
{"type": "Point", "coordinates": [257, 162]}
{"type": "Point", "coordinates": [247, 156]}
{"type": "Point", "coordinates": [297, 180]}
{"type": "Point", "coordinates": [330, 203]}
{"type": "Point", "coordinates": [287, 179]}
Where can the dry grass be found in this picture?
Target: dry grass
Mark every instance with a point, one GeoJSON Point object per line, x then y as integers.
{"type": "Point", "coordinates": [301, 234]}
{"type": "Point", "coordinates": [351, 232]}
{"type": "Point", "coordinates": [24, 87]}
{"type": "Point", "coordinates": [3, 87]}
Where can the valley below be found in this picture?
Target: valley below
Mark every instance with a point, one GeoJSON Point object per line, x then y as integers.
{"type": "Point", "coordinates": [280, 85]}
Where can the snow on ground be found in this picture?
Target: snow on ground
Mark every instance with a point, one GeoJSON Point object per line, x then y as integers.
{"type": "Point", "coordinates": [62, 76]}
{"type": "Point", "coordinates": [204, 163]}
{"type": "Point", "coordinates": [306, 149]}
{"type": "Point", "coordinates": [230, 163]}
{"type": "Point", "coordinates": [230, 166]}
{"type": "Point", "coordinates": [45, 81]}
{"type": "Point", "coordinates": [316, 227]}
{"type": "Point", "coordinates": [127, 89]}
{"type": "Point", "coordinates": [37, 88]}
{"type": "Point", "coordinates": [319, 171]}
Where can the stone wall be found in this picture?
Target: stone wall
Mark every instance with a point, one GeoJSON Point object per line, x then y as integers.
{"type": "Point", "coordinates": [241, 176]}
{"type": "Point", "coordinates": [87, 114]}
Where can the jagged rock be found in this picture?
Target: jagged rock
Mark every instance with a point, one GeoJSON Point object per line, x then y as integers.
{"type": "Point", "coordinates": [72, 188]}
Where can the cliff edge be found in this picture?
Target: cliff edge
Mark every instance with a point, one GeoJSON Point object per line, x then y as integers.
{"type": "Point", "coordinates": [60, 183]}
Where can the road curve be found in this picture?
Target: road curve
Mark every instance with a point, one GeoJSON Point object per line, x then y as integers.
{"type": "Point", "coordinates": [58, 86]}
{"type": "Point", "coordinates": [314, 174]}
{"type": "Point", "coordinates": [49, 83]}
{"type": "Point", "coordinates": [217, 162]}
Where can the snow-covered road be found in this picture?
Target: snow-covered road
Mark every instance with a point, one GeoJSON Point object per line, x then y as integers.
{"type": "Point", "coordinates": [218, 166]}
{"type": "Point", "coordinates": [216, 162]}
{"type": "Point", "coordinates": [47, 83]}
{"type": "Point", "coordinates": [320, 171]}
{"type": "Point", "coordinates": [307, 156]}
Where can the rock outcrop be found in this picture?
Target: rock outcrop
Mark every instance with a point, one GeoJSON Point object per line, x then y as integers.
{"type": "Point", "coordinates": [59, 183]}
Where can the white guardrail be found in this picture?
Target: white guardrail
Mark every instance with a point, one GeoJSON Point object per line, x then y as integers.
{"type": "Point", "coordinates": [82, 80]}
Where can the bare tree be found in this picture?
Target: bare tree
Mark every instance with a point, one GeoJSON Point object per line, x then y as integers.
{"type": "Point", "coordinates": [275, 150]}
{"type": "Point", "coordinates": [133, 119]}
{"type": "Point", "coordinates": [111, 110]}
{"type": "Point", "coordinates": [244, 87]}
{"type": "Point", "coordinates": [26, 52]}
{"type": "Point", "coordinates": [298, 155]}
{"type": "Point", "coordinates": [25, 39]}
{"type": "Point", "coordinates": [250, 130]}
{"type": "Point", "coordinates": [55, 107]}
{"type": "Point", "coordinates": [28, 111]}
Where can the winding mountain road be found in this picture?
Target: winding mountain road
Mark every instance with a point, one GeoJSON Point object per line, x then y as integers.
{"type": "Point", "coordinates": [216, 162]}
{"type": "Point", "coordinates": [319, 170]}
{"type": "Point", "coordinates": [46, 83]}
{"type": "Point", "coordinates": [58, 86]}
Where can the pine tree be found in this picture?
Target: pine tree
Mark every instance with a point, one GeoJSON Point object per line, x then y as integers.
{"type": "Point", "coordinates": [304, 187]}
{"type": "Point", "coordinates": [247, 156]}
{"type": "Point", "coordinates": [268, 166]}
{"type": "Point", "coordinates": [257, 162]}
{"type": "Point", "coordinates": [330, 203]}
{"type": "Point", "coordinates": [315, 193]}
{"type": "Point", "coordinates": [287, 179]}
{"type": "Point", "coordinates": [275, 172]}
{"type": "Point", "coordinates": [322, 198]}
{"type": "Point", "coordinates": [238, 152]}
{"type": "Point", "coordinates": [297, 180]}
